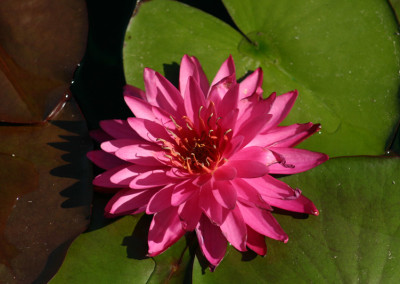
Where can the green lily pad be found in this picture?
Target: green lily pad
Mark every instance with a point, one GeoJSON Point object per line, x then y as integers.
{"type": "Point", "coordinates": [342, 56]}
{"type": "Point", "coordinates": [355, 239]}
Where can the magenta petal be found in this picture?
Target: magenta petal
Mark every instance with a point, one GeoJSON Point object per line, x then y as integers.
{"type": "Point", "coordinates": [149, 130]}
{"type": "Point", "coordinates": [190, 67]}
{"type": "Point", "coordinates": [218, 91]}
{"type": "Point", "coordinates": [249, 195]}
{"type": "Point", "coordinates": [211, 206]}
{"type": "Point", "coordinates": [234, 229]}
{"type": "Point", "coordinates": [226, 172]}
{"type": "Point", "coordinates": [301, 204]}
{"type": "Point", "coordinates": [225, 194]}
{"type": "Point", "coordinates": [227, 69]}
{"type": "Point", "coordinates": [256, 242]}
{"type": "Point", "coordinates": [212, 242]}
{"type": "Point", "coordinates": [183, 192]}
{"type": "Point", "coordinates": [141, 154]}
{"type": "Point", "coordinates": [296, 160]}
{"type": "Point", "coordinates": [271, 187]}
{"type": "Point", "coordinates": [113, 146]}
{"type": "Point", "coordinates": [190, 212]}
{"type": "Point", "coordinates": [281, 107]}
{"type": "Point", "coordinates": [132, 91]}
{"type": "Point", "coordinates": [262, 222]}
{"type": "Point", "coordinates": [119, 129]}
{"type": "Point", "coordinates": [100, 135]}
{"type": "Point", "coordinates": [286, 136]}
{"type": "Point", "coordinates": [140, 108]}
{"type": "Point", "coordinates": [165, 230]}
{"type": "Point", "coordinates": [161, 93]}
{"type": "Point", "coordinates": [153, 178]}
{"type": "Point", "coordinates": [250, 84]}
{"type": "Point", "coordinates": [194, 100]}
{"type": "Point", "coordinates": [249, 169]}
{"type": "Point", "coordinates": [104, 179]}
{"type": "Point", "coordinates": [104, 160]}
{"type": "Point", "coordinates": [160, 200]}
{"type": "Point", "coordinates": [128, 201]}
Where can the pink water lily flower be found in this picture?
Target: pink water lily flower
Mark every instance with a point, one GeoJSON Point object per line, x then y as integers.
{"type": "Point", "coordinates": [200, 159]}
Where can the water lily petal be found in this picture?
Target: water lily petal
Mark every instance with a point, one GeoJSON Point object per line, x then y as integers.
{"type": "Point", "coordinates": [132, 91]}
{"type": "Point", "coordinates": [165, 229]}
{"type": "Point", "coordinates": [104, 160]}
{"type": "Point", "coordinates": [301, 204]}
{"type": "Point", "coordinates": [190, 212]}
{"type": "Point", "coordinates": [149, 130]}
{"type": "Point", "coordinates": [152, 178]}
{"type": "Point", "coordinates": [182, 192]}
{"type": "Point", "coordinates": [161, 200]}
{"type": "Point", "coordinates": [211, 206]}
{"type": "Point", "coordinates": [113, 146]}
{"type": "Point", "coordinates": [225, 194]}
{"type": "Point", "coordinates": [194, 100]}
{"type": "Point", "coordinates": [271, 187]}
{"type": "Point", "coordinates": [190, 67]}
{"type": "Point", "coordinates": [118, 129]}
{"type": "Point", "coordinates": [256, 242]}
{"type": "Point", "coordinates": [296, 160]}
{"type": "Point", "coordinates": [128, 201]}
{"type": "Point", "coordinates": [212, 242]}
{"type": "Point", "coordinates": [251, 84]}
{"type": "Point", "coordinates": [262, 222]}
{"type": "Point", "coordinates": [234, 229]}
{"type": "Point", "coordinates": [227, 69]}
{"type": "Point", "coordinates": [141, 154]}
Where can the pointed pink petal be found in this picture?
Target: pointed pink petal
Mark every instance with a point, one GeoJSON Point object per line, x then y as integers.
{"type": "Point", "coordinates": [229, 101]}
{"type": "Point", "coordinates": [218, 91]}
{"type": "Point", "coordinates": [194, 99]}
{"type": "Point", "coordinates": [149, 130]}
{"type": "Point", "coordinates": [212, 242]}
{"type": "Point", "coordinates": [183, 192]}
{"type": "Point", "coordinates": [99, 135]}
{"type": "Point", "coordinates": [252, 162]}
{"type": "Point", "coordinates": [262, 222]}
{"type": "Point", "coordinates": [249, 195]}
{"type": "Point", "coordinates": [256, 242]}
{"type": "Point", "coordinates": [118, 129]}
{"type": "Point", "coordinates": [190, 66]}
{"type": "Point", "coordinates": [226, 172]}
{"type": "Point", "coordinates": [132, 91]}
{"type": "Point", "coordinates": [227, 69]}
{"type": "Point", "coordinates": [190, 212]}
{"type": "Point", "coordinates": [252, 128]}
{"type": "Point", "coordinates": [141, 154]}
{"type": "Point", "coordinates": [140, 108]}
{"type": "Point", "coordinates": [113, 146]}
{"type": "Point", "coordinates": [127, 174]}
{"type": "Point", "coordinates": [165, 230]}
{"type": "Point", "coordinates": [128, 201]}
{"type": "Point", "coordinates": [225, 194]}
{"type": "Point", "coordinates": [281, 107]}
{"type": "Point", "coordinates": [234, 229]}
{"type": "Point", "coordinates": [104, 179]}
{"type": "Point", "coordinates": [250, 84]}
{"type": "Point", "coordinates": [296, 160]}
{"type": "Point", "coordinates": [161, 93]}
{"type": "Point", "coordinates": [104, 160]}
{"type": "Point", "coordinates": [271, 187]}
{"type": "Point", "coordinates": [161, 200]}
{"type": "Point", "coordinates": [201, 76]}
{"type": "Point", "coordinates": [153, 178]}
{"type": "Point", "coordinates": [285, 136]}
{"type": "Point", "coordinates": [301, 204]}
{"type": "Point", "coordinates": [211, 206]}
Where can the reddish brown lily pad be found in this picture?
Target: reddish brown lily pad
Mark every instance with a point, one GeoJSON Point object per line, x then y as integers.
{"type": "Point", "coordinates": [45, 189]}
{"type": "Point", "coordinates": [41, 43]}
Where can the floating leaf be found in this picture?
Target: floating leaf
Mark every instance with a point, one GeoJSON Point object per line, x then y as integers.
{"type": "Point", "coordinates": [356, 237]}
{"type": "Point", "coordinates": [41, 43]}
{"type": "Point", "coordinates": [347, 77]}
{"type": "Point", "coordinates": [45, 189]}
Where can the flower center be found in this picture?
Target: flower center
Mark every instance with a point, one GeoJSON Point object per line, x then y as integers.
{"type": "Point", "coordinates": [198, 146]}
